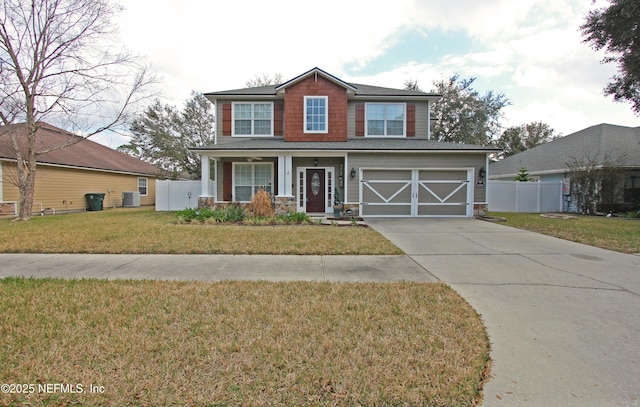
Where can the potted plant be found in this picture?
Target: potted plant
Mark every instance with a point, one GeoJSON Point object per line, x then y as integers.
{"type": "Point", "coordinates": [337, 206]}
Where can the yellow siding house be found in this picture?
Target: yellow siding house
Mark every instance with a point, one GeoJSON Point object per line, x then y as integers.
{"type": "Point", "coordinates": [64, 176]}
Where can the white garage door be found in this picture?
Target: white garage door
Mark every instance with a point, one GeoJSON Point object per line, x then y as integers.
{"type": "Point", "coordinates": [416, 192]}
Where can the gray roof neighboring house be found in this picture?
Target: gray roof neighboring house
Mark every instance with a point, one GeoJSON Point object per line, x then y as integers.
{"type": "Point", "coordinates": [615, 143]}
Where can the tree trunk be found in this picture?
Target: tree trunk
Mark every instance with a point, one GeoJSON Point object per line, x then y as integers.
{"type": "Point", "coordinates": [27, 181]}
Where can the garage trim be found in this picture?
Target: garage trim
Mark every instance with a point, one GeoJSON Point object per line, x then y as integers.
{"type": "Point", "coordinates": [423, 192]}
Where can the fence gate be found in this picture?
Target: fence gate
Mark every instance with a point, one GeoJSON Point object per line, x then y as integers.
{"type": "Point", "coordinates": [526, 197]}
{"type": "Point", "coordinates": [178, 195]}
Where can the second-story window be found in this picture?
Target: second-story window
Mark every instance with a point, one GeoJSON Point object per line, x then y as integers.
{"type": "Point", "coordinates": [253, 119]}
{"type": "Point", "coordinates": [316, 114]}
{"type": "Point", "coordinates": [385, 119]}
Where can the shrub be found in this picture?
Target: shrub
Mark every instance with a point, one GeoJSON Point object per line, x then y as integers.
{"type": "Point", "coordinates": [632, 214]}
{"type": "Point", "coordinates": [261, 204]}
{"type": "Point", "coordinates": [294, 217]}
{"type": "Point", "coordinates": [233, 213]}
{"type": "Point", "coordinates": [186, 215]}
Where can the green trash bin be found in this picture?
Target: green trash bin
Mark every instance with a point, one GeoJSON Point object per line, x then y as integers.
{"type": "Point", "coordinates": [94, 201]}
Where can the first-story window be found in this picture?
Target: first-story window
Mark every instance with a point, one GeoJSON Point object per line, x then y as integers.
{"type": "Point", "coordinates": [316, 113]}
{"type": "Point", "coordinates": [143, 186]}
{"type": "Point", "coordinates": [250, 178]}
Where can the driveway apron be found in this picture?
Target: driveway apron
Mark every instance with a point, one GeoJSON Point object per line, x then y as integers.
{"type": "Point", "coordinates": [563, 318]}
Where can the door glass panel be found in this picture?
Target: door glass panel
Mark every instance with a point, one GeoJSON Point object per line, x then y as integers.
{"type": "Point", "coordinates": [315, 184]}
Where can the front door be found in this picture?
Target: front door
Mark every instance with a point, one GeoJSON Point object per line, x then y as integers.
{"type": "Point", "coordinates": [315, 190]}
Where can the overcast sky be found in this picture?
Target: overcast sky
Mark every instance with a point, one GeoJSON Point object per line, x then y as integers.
{"type": "Point", "coordinates": [530, 50]}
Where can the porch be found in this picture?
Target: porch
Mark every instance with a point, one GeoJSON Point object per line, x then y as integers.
{"type": "Point", "coordinates": [305, 181]}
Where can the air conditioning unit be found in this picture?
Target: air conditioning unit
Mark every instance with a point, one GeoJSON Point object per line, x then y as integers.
{"type": "Point", "coordinates": [131, 199]}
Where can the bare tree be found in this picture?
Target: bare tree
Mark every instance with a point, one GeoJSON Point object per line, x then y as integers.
{"type": "Point", "coordinates": [60, 62]}
{"type": "Point", "coordinates": [412, 84]}
{"type": "Point", "coordinates": [264, 80]}
{"type": "Point", "coordinates": [594, 180]}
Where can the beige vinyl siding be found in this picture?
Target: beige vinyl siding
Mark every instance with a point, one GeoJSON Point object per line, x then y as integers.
{"type": "Point", "coordinates": [221, 138]}
{"type": "Point", "coordinates": [64, 188]}
{"type": "Point", "coordinates": [422, 109]}
{"type": "Point", "coordinates": [410, 161]}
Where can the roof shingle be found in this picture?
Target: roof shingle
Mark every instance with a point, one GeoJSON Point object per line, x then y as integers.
{"type": "Point", "coordinates": [83, 154]}
{"type": "Point", "coordinates": [618, 143]}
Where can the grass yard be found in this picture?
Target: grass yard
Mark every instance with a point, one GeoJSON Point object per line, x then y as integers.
{"type": "Point", "coordinates": [241, 343]}
{"type": "Point", "coordinates": [622, 235]}
{"type": "Point", "coordinates": [146, 231]}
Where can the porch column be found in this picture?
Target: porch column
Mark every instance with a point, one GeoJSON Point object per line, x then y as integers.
{"type": "Point", "coordinates": [285, 175]}
{"type": "Point", "coordinates": [204, 161]}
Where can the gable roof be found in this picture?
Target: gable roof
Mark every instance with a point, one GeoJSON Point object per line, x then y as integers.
{"type": "Point", "coordinates": [85, 154]}
{"type": "Point", "coordinates": [316, 71]}
{"type": "Point", "coordinates": [600, 141]}
{"type": "Point", "coordinates": [355, 90]}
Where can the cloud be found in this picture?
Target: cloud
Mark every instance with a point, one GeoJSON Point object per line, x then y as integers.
{"type": "Point", "coordinates": [529, 49]}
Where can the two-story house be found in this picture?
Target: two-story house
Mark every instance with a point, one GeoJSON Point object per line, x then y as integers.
{"type": "Point", "coordinates": [316, 139]}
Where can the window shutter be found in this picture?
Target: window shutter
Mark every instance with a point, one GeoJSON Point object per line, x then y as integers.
{"type": "Point", "coordinates": [411, 120]}
{"type": "Point", "coordinates": [227, 181]}
{"type": "Point", "coordinates": [360, 120]}
{"type": "Point", "coordinates": [226, 119]}
{"type": "Point", "coordinates": [278, 118]}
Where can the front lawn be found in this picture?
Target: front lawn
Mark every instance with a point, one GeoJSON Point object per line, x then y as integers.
{"type": "Point", "coordinates": [146, 231]}
{"type": "Point", "coordinates": [150, 343]}
{"type": "Point", "coordinates": [619, 234]}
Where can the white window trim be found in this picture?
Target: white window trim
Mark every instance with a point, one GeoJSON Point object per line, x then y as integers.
{"type": "Point", "coordinates": [301, 187]}
{"type": "Point", "coordinates": [146, 185]}
{"type": "Point", "coordinates": [326, 115]}
{"type": "Point", "coordinates": [366, 121]}
{"type": "Point", "coordinates": [253, 178]}
{"type": "Point", "coordinates": [233, 119]}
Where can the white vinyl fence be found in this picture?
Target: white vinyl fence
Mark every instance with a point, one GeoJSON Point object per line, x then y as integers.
{"type": "Point", "coordinates": [178, 195]}
{"type": "Point", "coordinates": [528, 197]}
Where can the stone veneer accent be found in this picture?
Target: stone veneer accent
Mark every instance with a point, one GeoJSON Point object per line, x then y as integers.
{"type": "Point", "coordinates": [285, 204]}
{"type": "Point", "coordinates": [206, 202]}
{"type": "Point", "coordinates": [282, 205]}
{"type": "Point", "coordinates": [480, 209]}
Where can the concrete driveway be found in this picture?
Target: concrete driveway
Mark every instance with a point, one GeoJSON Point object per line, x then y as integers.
{"type": "Point", "coordinates": [563, 318]}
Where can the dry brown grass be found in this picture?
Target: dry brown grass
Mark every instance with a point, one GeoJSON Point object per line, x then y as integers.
{"type": "Point", "coordinates": [241, 343]}
{"type": "Point", "coordinates": [619, 234]}
{"type": "Point", "coordinates": [146, 231]}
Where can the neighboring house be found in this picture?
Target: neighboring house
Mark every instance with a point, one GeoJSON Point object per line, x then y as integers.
{"type": "Point", "coordinates": [317, 139]}
{"type": "Point", "coordinates": [64, 176]}
{"type": "Point", "coordinates": [602, 143]}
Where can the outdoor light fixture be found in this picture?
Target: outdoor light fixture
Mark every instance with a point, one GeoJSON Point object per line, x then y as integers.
{"type": "Point", "coordinates": [353, 172]}
{"type": "Point", "coordinates": [315, 162]}
{"type": "Point", "coordinates": [482, 172]}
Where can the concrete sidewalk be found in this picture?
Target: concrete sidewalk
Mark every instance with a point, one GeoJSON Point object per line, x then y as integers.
{"type": "Point", "coordinates": [215, 267]}
{"type": "Point", "coordinates": [563, 318]}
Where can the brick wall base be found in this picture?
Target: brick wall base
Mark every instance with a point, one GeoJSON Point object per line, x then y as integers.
{"type": "Point", "coordinates": [8, 208]}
